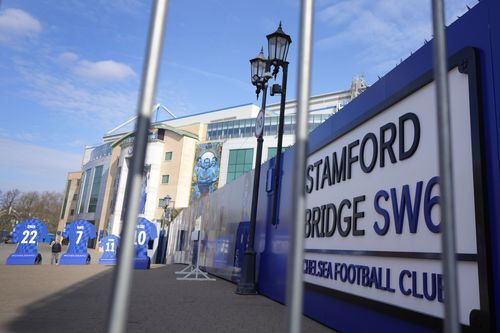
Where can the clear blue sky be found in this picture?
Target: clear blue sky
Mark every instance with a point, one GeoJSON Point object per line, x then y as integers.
{"type": "Point", "coordinates": [70, 70]}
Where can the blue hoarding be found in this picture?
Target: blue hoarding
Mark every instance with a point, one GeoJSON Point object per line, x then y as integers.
{"type": "Point", "coordinates": [28, 234]}
{"type": "Point", "coordinates": [144, 233]}
{"type": "Point", "coordinates": [78, 233]}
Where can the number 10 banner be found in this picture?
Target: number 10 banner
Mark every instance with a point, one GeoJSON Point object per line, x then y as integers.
{"type": "Point", "coordinates": [27, 233]}
{"type": "Point", "coordinates": [78, 232]}
{"type": "Point", "coordinates": [144, 232]}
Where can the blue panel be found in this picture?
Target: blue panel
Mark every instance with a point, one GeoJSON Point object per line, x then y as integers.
{"type": "Point", "coordinates": [240, 247]}
{"type": "Point", "coordinates": [78, 233]}
{"type": "Point", "coordinates": [28, 234]}
{"type": "Point", "coordinates": [346, 316]}
{"type": "Point", "coordinates": [274, 251]}
{"type": "Point", "coordinates": [479, 28]}
{"type": "Point", "coordinates": [145, 231]}
{"type": "Point", "coordinates": [23, 259]}
{"type": "Point", "coordinates": [110, 246]}
{"type": "Point", "coordinates": [142, 263]}
{"type": "Point", "coordinates": [491, 122]}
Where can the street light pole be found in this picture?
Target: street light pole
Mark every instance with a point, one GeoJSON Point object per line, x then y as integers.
{"type": "Point", "coordinates": [279, 44]}
{"type": "Point", "coordinates": [277, 168]}
{"type": "Point", "coordinates": [260, 76]}
{"type": "Point", "coordinates": [162, 247]}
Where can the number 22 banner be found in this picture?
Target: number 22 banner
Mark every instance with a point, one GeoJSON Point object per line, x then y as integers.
{"type": "Point", "coordinates": [27, 233]}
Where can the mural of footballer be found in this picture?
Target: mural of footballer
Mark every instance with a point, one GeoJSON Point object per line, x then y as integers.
{"type": "Point", "coordinates": [206, 169]}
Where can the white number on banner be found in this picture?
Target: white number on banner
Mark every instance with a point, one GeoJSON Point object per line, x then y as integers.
{"type": "Point", "coordinates": [140, 237]}
{"type": "Point", "coordinates": [110, 247]}
{"type": "Point", "coordinates": [80, 234]}
{"type": "Point", "coordinates": [26, 234]}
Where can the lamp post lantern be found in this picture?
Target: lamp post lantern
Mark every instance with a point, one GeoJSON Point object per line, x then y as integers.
{"type": "Point", "coordinates": [167, 200]}
{"type": "Point", "coordinates": [278, 43]}
{"type": "Point", "coordinates": [258, 69]}
{"type": "Point", "coordinates": [259, 76]}
{"type": "Point", "coordinates": [166, 203]}
{"type": "Point", "coordinates": [163, 241]}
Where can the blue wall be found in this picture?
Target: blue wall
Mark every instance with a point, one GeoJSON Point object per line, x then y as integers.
{"type": "Point", "coordinates": [479, 28]}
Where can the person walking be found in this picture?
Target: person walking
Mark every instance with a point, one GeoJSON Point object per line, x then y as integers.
{"type": "Point", "coordinates": [56, 250]}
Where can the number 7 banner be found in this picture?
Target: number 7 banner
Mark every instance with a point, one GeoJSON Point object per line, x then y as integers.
{"type": "Point", "coordinates": [78, 232]}
{"type": "Point", "coordinates": [27, 233]}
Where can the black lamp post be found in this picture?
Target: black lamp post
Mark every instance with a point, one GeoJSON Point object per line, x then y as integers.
{"type": "Point", "coordinates": [166, 210]}
{"type": "Point", "coordinates": [162, 246]}
{"type": "Point", "coordinates": [259, 75]}
{"type": "Point", "coordinates": [279, 43]}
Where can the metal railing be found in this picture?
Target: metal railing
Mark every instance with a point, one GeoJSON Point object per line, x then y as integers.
{"type": "Point", "coordinates": [123, 272]}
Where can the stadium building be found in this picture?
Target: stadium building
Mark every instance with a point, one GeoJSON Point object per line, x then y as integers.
{"type": "Point", "coordinates": [220, 145]}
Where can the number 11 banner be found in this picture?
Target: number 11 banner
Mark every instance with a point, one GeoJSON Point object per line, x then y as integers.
{"type": "Point", "coordinates": [109, 246]}
{"type": "Point", "coordinates": [27, 233]}
{"type": "Point", "coordinates": [78, 232]}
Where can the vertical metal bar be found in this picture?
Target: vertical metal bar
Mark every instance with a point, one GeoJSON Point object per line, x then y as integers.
{"type": "Point", "coordinates": [451, 319]}
{"type": "Point", "coordinates": [295, 273]}
{"type": "Point", "coordinates": [123, 273]}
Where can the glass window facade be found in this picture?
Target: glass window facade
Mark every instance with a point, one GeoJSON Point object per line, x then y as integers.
{"type": "Point", "coordinates": [168, 156]}
{"type": "Point", "coordinates": [85, 193]}
{"type": "Point", "coordinates": [271, 151]}
{"type": "Point", "coordinates": [165, 179]}
{"type": "Point", "coordinates": [240, 161]}
{"type": "Point", "coordinates": [96, 188]}
{"type": "Point", "coordinates": [65, 199]}
{"type": "Point", "coordinates": [246, 127]}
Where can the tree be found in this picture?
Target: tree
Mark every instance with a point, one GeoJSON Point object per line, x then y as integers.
{"type": "Point", "coordinates": [49, 209]}
{"type": "Point", "coordinates": [27, 204]}
{"type": "Point", "coordinates": [8, 216]}
{"type": "Point", "coordinates": [9, 199]}
{"type": "Point", "coordinates": [17, 206]}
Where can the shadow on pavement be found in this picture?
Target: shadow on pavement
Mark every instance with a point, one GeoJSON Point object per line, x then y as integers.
{"type": "Point", "coordinates": [78, 308]}
{"type": "Point", "coordinates": [159, 303]}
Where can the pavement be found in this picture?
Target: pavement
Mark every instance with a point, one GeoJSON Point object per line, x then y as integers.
{"type": "Point", "coordinates": [50, 298]}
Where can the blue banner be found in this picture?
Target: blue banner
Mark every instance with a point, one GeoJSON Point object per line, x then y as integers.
{"type": "Point", "coordinates": [27, 233]}
{"type": "Point", "coordinates": [110, 246]}
{"type": "Point", "coordinates": [145, 231]}
{"type": "Point", "coordinates": [78, 232]}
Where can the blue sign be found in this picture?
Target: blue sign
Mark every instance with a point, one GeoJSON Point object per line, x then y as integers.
{"type": "Point", "coordinates": [78, 232]}
{"type": "Point", "coordinates": [27, 233]}
{"type": "Point", "coordinates": [144, 232]}
{"type": "Point", "coordinates": [109, 245]}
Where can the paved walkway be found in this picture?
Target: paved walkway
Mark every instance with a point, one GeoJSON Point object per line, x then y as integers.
{"type": "Point", "coordinates": [75, 299]}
